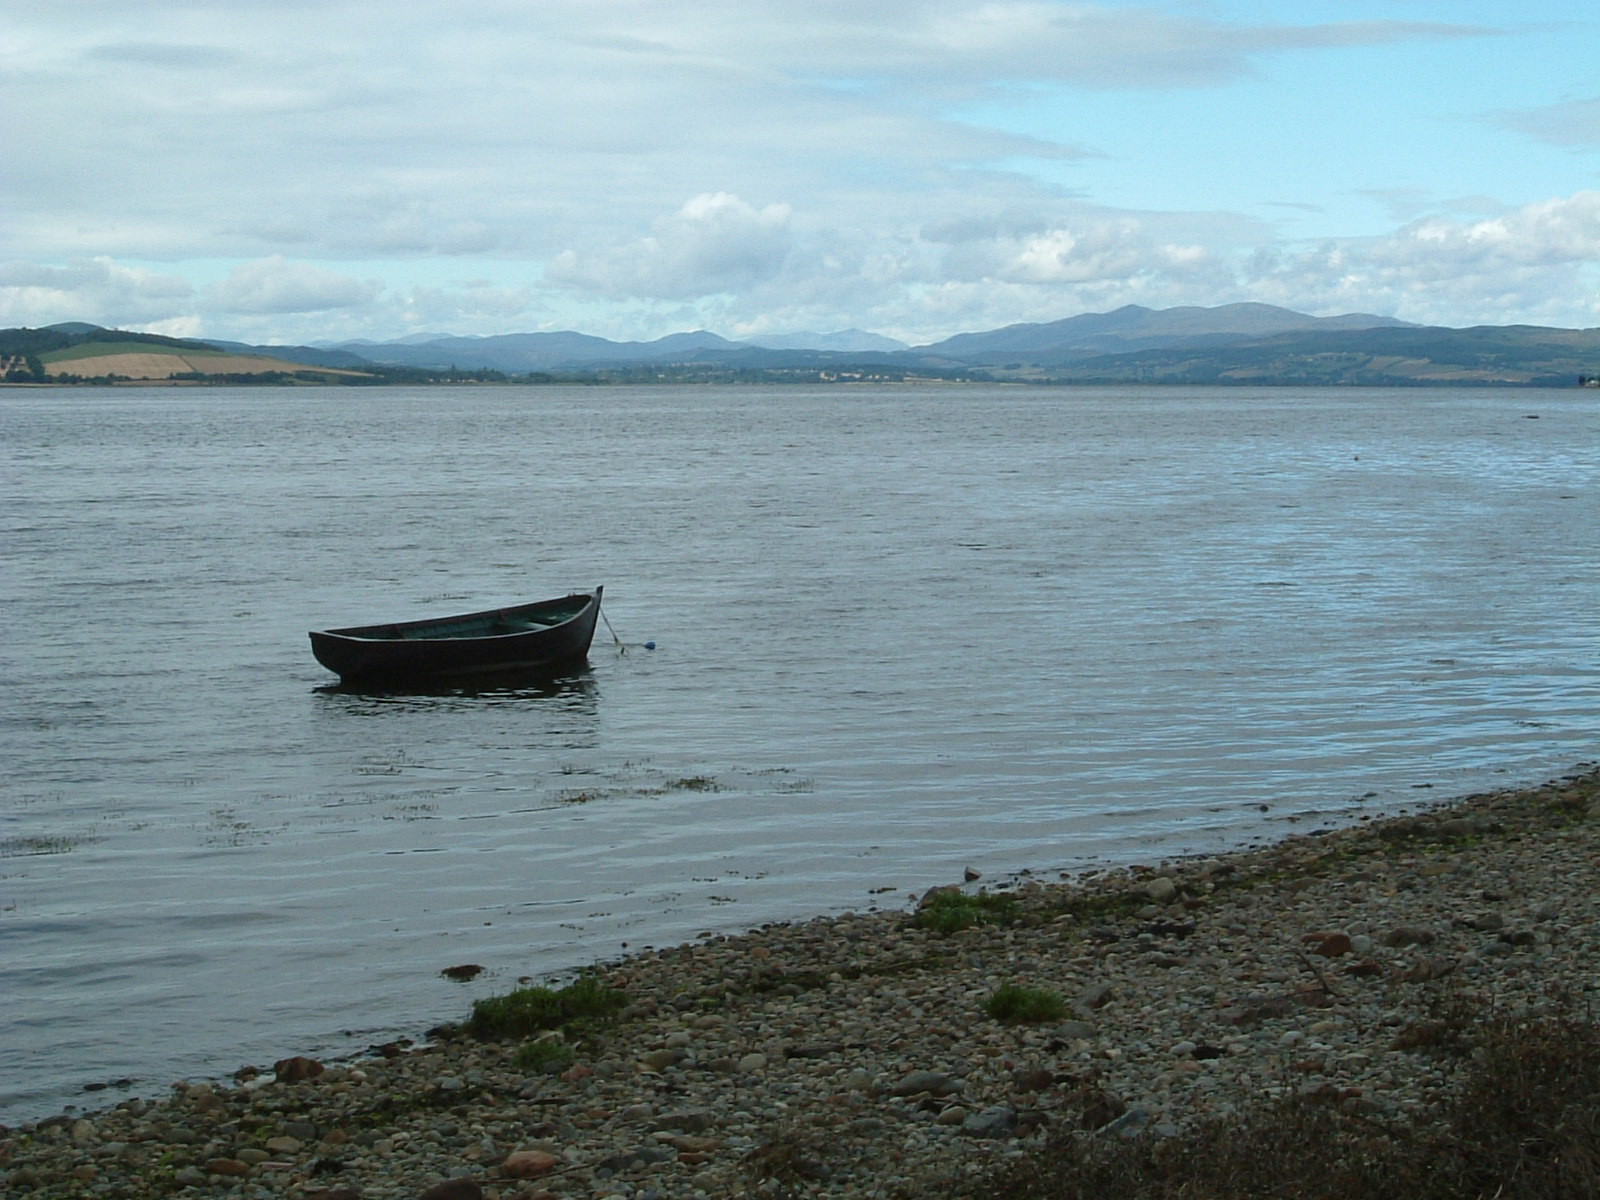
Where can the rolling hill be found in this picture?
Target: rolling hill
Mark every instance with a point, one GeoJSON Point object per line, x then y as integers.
{"type": "Point", "coordinates": [1229, 344]}
{"type": "Point", "coordinates": [1134, 327]}
{"type": "Point", "coordinates": [76, 352]}
{"type": "Point", "coordinates": [1233, 343]}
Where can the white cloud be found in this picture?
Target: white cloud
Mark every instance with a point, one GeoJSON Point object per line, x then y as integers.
{"type": "Point", "coordinates": [518, 128]}
{"type": "Point", "coordinates": [715, 243]}
{"type": "Point", "coordinates": [1540, 262]}
{"type": "Point", "coordinates": [1552, 233]}
{"type": "Point", "coordinates": [275, 285]}
{"type": "Point", "coordinates": [96, 290]}
{"type": "Point", "coordinates": [467, 306]}
{"type": "Point", "coordinates": [946, 46]}
{"type": "Point", "coordinates": [941, 164]}
{"type": "Point", "coordinates": [1105, 250]}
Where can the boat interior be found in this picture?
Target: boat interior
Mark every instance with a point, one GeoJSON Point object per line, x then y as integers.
{"type": "Point", "coordinates": [499, 624]}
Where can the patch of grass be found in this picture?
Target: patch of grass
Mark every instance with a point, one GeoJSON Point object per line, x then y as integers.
{"type": "Point", "coordinates": [39, 844]}
{"type": "Point", "coordinates": [789, 1159]}
{"type": "Point", "coordinates": [1523, 1125]}
{"type": "Point", "coordinates": [761, 982]}
{"type": "Point", "coordinates": [544, 1056]}
{"type": "Point", "coordinates": [1099, 905]}
{"type": "Point", "coordinates": [948, 912]}
{"type": "Point", "coordinates": [804, 981]}
{"type": "Point", "coordinates": [97, 349]}
{"type": "Point", "coordinates": [1014, 1004]}
{"type": "Point", "coordinates": [534, 1009]}
{"type": "Point", "coordinates": [694, 783]}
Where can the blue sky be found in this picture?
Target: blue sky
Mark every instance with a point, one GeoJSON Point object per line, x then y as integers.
{"type": "Point", "coordinates": [315, 170]}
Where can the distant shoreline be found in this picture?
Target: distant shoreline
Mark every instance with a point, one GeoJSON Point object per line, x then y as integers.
{"type": "Point", "coordinates": [289, 379]}
{"type": "Point", "coordinates": [1234, 344]}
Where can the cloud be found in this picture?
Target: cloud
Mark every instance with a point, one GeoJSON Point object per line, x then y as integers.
{"type": "Point", "coordinates": [429, 308]}
{"type": "Point", "coordinates": [1574, 123]}
{"type": "Point", "coordinates": [516, 129]}
{"type": "Point", "coordinates": [170, 56]}
{"type": "Point", "coordinates": [945, 46]}
{"type": "Point", "coordinates": [275, 285]}
{"type": "Point", "coordinates": [1537, 262]}
{"type": "Point", "coordinates": [1551, 233]}
{"type": "Point", "coordinates": [97, 290]}
{"type": "Point", "coordinates": [918, 166]}
{"type": "Point", "coordinates": [715, 243]}
{"type": "Point", "coordinates": [1094, 251]}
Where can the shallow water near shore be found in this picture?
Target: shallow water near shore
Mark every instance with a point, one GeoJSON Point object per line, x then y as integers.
{"type": "Point", "coordinates": [900, 632]}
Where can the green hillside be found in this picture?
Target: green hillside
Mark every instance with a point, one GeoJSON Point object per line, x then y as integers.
{"type": "Point", "coordinates": [1127, 346]}
{"type": "Point", "coordinates": [89, 350]}
{"type": "Point", "coordinates": [1510, 355]}
{"type": "Point", "coordinates": [76, 353]}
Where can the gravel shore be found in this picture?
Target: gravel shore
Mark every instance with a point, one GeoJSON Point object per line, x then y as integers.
{"type": "Point", "coordinates": [854, 1056]}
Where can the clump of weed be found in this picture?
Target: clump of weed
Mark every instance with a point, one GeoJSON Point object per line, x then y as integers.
{"type": "Point", "coordinates": [533, 1009]}
{"type": "Point", "coordinates": [789, 1157]}
{"type": "Point", "coordinates": [579, 796]}
{"type": "Point", "coordinates": [544, 1056]}
{"type": "Point", "coordinates": [947, 912]}
{"type": "Point", "coordinates": [1523, 1125]}
{"type": "Point", "coordinates": [41, 844]}
{"type": "Point", "coordinates": [1015, 1004]}
{"type": "Point", "coordinates": [695, 783]}
{"type": "Point", "coordinates": [1448, 1030]}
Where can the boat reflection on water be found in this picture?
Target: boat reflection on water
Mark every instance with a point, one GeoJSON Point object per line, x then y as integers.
{"type": "Point", "coordinates": [572, 691]}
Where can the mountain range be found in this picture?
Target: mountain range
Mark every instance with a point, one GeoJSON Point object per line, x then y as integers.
{"type": "Point", "coordinates": [1233, 343]}
{"type": "Point", "coordinates": [1126, 330]}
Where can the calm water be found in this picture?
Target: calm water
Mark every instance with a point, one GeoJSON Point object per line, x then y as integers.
{"type": "Point", "coordinates": [900, 632]}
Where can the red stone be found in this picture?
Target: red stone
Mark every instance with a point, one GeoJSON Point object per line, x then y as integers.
{"type": "Point", "coordinates": [453, 1189]}
{"type": "Point", "coordinates": [293, 1070]}
{"type": "Point", "coordinates": [1329, 945]}
{"type": "Point", "coordinates": [528, 1164]}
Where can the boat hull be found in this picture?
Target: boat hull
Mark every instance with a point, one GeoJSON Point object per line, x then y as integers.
{"type": "Point", "coordinates": [545, 636]}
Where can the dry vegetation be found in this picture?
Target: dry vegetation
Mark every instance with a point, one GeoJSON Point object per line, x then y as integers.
{"type": "Point", "coordinates": [1525, 1125]}
{"type": "Point", "coordinates": [159, 364]}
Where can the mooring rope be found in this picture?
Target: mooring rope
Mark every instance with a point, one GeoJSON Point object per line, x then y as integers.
{"type": "Point", "coordinates": [621, 649]}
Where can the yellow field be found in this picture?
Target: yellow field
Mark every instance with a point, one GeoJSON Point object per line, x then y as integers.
{"type": "Point", "coordinates": [165, 366]}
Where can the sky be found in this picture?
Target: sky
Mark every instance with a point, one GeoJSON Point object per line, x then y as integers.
{"type": "Point", "coordinates": [313, 171]}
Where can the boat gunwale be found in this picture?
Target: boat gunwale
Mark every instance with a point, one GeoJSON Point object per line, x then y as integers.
{"type": "Point", "coordinates": [365, 633]}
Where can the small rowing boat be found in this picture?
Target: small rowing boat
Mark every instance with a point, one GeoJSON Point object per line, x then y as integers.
{"type": "Point", "coordinates": [544, 635]}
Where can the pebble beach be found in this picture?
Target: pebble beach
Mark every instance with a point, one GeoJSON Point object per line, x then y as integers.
{"type": "Point", "coordinates": [865, 1055]}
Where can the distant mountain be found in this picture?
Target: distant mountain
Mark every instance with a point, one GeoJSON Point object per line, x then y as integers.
{"type": "Point", "coordinates": [409, 339]}
{"type": "Point", "coordinates": [844, 340]}
{"type": "Point", "coordinates": [1406, 355]}
{"type": "Point", "coordinates": [1234, 343]}
{"type": "Point", "coordinates": [1135, 327]}
{"type": "Point", "coordinates": [413, 338]}
{"type": "Point", "coordinates": [525, 352]}
{"type": "Point", "coordinates": [1255, 343]}
{"type": "Point", "coordinates": [1127, 329]}
{"type": "Point", "coordinates": [313, 355]}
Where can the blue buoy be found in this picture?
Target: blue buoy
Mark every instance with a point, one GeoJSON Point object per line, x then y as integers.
{"type": "Point", "coordinates": [649, 645]}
